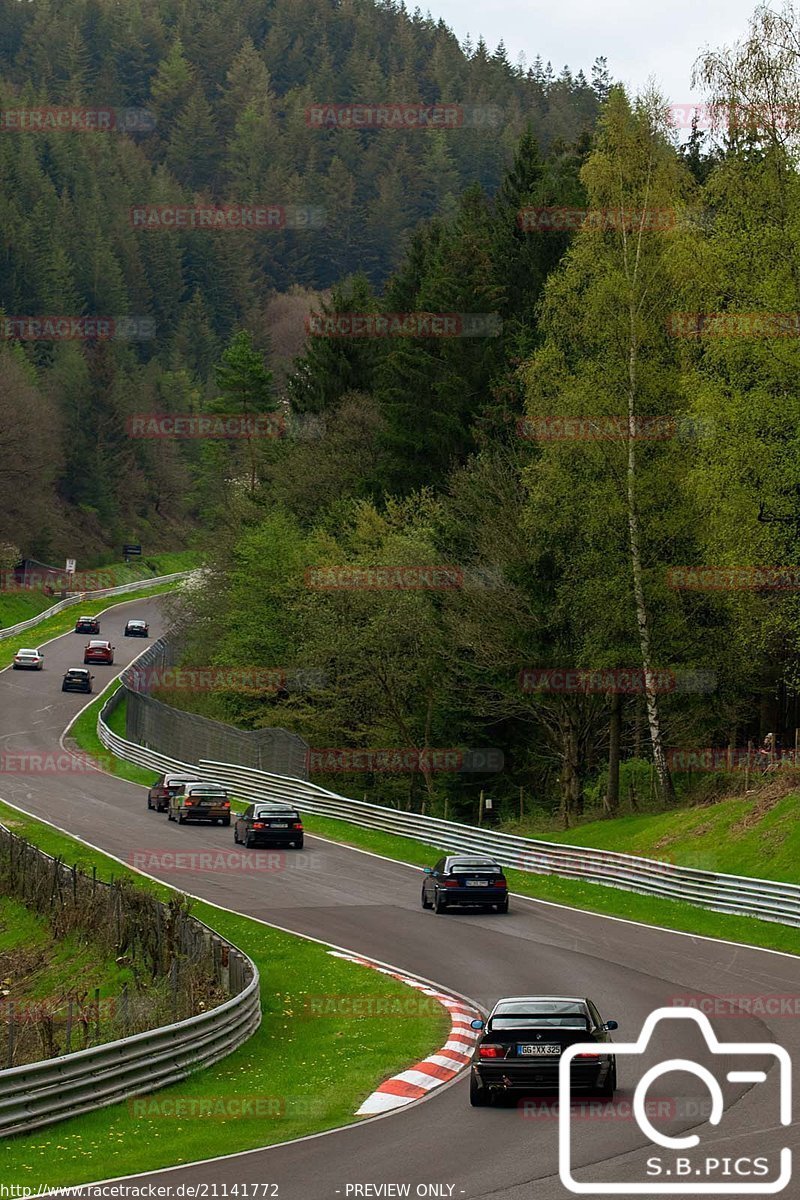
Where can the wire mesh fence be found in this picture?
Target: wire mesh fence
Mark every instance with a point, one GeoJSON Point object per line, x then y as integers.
{"type": "Point", "coordinates": [188, 737]}
{"type": "Point", "coordinates": [172, 966]}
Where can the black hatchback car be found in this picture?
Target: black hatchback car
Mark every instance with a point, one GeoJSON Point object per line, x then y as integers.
{"type": "Point", "coordinates": [87, 625]}
{"type": "Point", "coordinates": [136, 628]}
{"type": "Point", "coordinates": [77, 679]}
{"type": "Point", "coordinates": [469, 880]}
{"type": "Point", "coordinates": [522, 1043]}
{"type": "Point", "coordinates": [269, 823]}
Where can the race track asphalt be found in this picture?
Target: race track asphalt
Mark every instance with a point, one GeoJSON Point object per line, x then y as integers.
{"type": "Point", "coordinates": [372, 906]}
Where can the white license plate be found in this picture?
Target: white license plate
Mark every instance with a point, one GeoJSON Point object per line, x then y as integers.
{"type": "Point", "coordinates": [278, 825]}
{"type": "Point", "coordinates": [533, 1051]}
{"type": "Point", "coordinates": [477, 883]}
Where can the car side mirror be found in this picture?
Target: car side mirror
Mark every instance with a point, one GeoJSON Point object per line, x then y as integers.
{"type": "Point", "coordinates": [610, 1025]}
{"type": "Point", "coordinates": [427, 871]}
{"type": "Point", "coordinates": [477, 1024]}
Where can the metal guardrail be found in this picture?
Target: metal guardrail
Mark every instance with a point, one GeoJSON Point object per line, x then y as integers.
{"type": "Point", "coordinates": [42, 1093]}
{"type": "Point", "coordinates": [81, 597]}
{"type": "Point", "coordinates": [742, 895]}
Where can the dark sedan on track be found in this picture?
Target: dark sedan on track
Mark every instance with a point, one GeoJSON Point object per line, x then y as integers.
{"type": "Point", "coordinates": [465, 880]}
{"type": "Point", "coordinates": [165, 786]}
{"type": "Point", "coordinates": [137, 628]}
{"type": "Point", "coordinates": [269, 823]}
{"type": "Point", "coordinates": [522, 1041]}
{"type": "Point", "coordinates": [77, 679]}
{"type": "Point", "coordinates": [87, 625]}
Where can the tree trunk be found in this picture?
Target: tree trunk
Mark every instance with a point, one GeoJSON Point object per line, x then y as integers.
{"type": "Point", "coordinates": [570, 772]}
{"type": "Point", "coordinates": [611, 799]}
{"type": "Point", "coordinates": [642, 615]}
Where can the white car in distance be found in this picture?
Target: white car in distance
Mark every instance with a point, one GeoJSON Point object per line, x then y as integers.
{"type": "Point", "coordinates": [28, 660]}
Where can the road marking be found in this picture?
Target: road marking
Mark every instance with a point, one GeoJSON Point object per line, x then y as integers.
{"type": "Point", "coordinates": [429, 1074]}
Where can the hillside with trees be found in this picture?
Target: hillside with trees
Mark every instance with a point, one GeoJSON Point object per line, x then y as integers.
{"type": "Point", "coordinates": [671, 555]}
{"type": "Point", "coordinates": [220, 92]}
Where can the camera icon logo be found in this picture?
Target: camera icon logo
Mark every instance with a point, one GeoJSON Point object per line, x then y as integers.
{"type": "Point", "coordinates": [686, 1175]}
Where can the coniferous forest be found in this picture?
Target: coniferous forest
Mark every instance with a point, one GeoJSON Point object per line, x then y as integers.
{"type": "Point", "coordinates": [574, 552]}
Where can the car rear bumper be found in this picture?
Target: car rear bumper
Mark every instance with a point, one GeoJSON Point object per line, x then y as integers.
{"type": "Point", "coordinates": [282, 837]}
{"type": "Point", "coordinates": [474, 897]}
{"type": "Point", "coordinates": [203, 814]}
{"type": "Point", "coordinates": [513, 1076]}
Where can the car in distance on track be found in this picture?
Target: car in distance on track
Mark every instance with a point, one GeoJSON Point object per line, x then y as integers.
{"type": "Point", "coordinates": [165, 786]}
{"type": "Point", "coordinates": [137, 628]}
{"type": "Point", "coordinates": [469, 880]}
{"type": "Point", "coordinates": [269, 823]}
{"type": "Point", "coordinates": [99, 652]}
{"type": "Point", "coordinates": [28, 660]}
{"type": "Point", "coordinates": [87, 625]}
{"type": "Point", "coordinates": [77, 679]}
{"type": "Point", "coordinates": [199, 801]}
{"type": "Point", "coordinates": [522, 1041]}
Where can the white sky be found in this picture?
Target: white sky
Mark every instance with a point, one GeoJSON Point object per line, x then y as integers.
{"type": "Point", "coordinates": [640, 38]}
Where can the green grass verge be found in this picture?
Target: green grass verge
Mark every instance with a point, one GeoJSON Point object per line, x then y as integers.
{"type": "Point", "coordinates": [757, 835]}
{"type": "Point", "coordinates": [63, 622]}
{"type": "Point", "coordinates": [22, 605]}
{"type": "Point", "coordinates": [309, 1071]}
{"type": "Point", "coordinates": [68, 965]}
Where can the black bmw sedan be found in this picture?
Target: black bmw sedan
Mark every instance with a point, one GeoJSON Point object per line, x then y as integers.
{"type": "Point", "coordinates": [523, 1039]}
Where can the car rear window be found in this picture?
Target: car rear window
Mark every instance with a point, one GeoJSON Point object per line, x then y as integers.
{"type": "Point", "coordinates": [470, 868]}
{"type": "Point", "coordinates": [548, 1014]}
{"type": "Point", "coordinates": [280, 813]}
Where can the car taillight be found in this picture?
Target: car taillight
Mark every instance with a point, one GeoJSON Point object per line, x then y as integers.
{"type": "Point", "coordinates": [259, 825]}
{"type": "Point", "coordinates": [490, 1051]}
{"type": "Point", "coordinates": [188, 803]}
{"type": "Point", "coordinates": [226, 803]}
{"type": "Point", "coordinates": [297, 825]}
{"type": "Point", "coordinates": [500, 882]}
{"type": "Point", "coordinates": [451, 883]}
{"type": "Point", "coordinates": [595, 1056]}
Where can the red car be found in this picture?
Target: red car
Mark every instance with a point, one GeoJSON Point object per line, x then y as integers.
{"type": "Point", "coordinates": [99, 652]}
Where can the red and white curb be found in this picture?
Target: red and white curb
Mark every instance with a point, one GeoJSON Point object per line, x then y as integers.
{"type": "Point", "coordinates": [438, 1068]}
